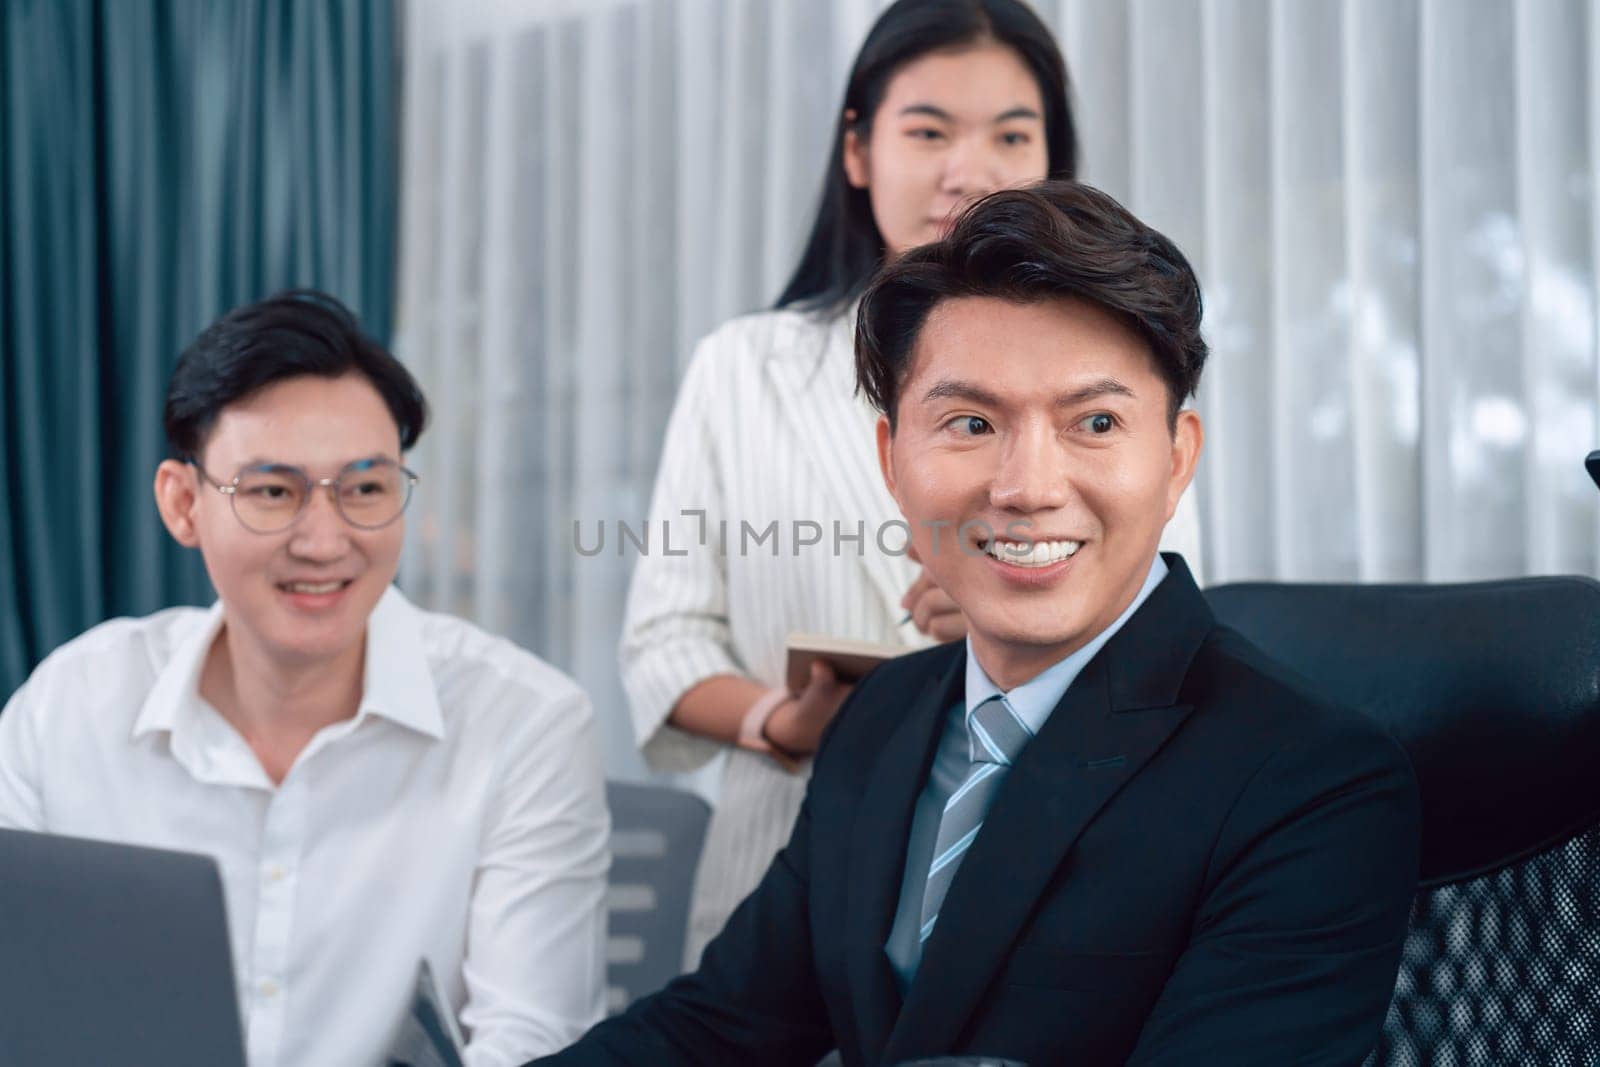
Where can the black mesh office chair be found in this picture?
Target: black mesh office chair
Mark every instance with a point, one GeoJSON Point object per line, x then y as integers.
{"type": "Point", "coordinates": [1494, 689]}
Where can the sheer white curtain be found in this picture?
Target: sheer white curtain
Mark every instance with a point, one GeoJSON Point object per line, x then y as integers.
{"type": "Point", "coordinates": [1391, 204]}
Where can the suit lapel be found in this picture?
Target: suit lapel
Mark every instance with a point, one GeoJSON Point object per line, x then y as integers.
{"type": "Point", "coordinates": [1116, 715]}
{"type": "Point", "coordinates": [816, 389]}
{"type": "Point", "coordinates": [878, 851]}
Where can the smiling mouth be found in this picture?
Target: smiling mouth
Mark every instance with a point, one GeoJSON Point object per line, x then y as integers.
{"type": "Point", "coordinates": [314, 588]}
{"type": "Point", "coordinates": [1031, 553]}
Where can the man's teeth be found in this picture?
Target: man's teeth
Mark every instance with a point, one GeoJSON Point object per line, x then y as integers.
{"type": "Point", "coordinates": [1031, 553]}
{"type": "Point", "coordinates": [314, 587]}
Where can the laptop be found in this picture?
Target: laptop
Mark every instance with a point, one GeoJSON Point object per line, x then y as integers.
{"type": "Point", "coordinates": [113, 954]}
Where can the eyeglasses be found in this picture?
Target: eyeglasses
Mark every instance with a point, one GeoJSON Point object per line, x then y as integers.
{"type": "Point", "coordinates": [271, 497]}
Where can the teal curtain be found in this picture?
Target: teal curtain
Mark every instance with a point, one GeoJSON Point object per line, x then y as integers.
{"type": "Point", "coordinates": [160, 162]}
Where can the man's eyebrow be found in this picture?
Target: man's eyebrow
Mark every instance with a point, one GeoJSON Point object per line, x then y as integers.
{"type": "Point", "coordinates": [370, 461]}
{"type": "Point", "coordinates": [955, 389]}
{"type": "Point", "coordinates": [1092, 391]}
{"type": "Point", "coordinates": [267, 461]}
{"type": "Point", "coordinates": [259, 460]}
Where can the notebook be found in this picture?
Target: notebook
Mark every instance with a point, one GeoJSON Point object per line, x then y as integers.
{"type": "Point", "coordinates": [850, 659]}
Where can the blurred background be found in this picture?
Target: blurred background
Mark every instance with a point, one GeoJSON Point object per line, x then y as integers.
{"type": "Point", "coordinates": [543, 204]}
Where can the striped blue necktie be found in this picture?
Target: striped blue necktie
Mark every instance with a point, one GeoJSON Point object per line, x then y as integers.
{"type": "Point", "coordinates": [996, 737]}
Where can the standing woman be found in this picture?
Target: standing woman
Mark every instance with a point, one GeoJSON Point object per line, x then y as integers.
{"type": "Point", "coordinates": [948, 100]}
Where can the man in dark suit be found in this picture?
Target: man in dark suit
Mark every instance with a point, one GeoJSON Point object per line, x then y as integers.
{"type": "Point", "coordinates": [1103, 829]}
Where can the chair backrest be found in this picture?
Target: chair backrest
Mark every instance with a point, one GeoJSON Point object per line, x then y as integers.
{"type": "Point", "coordinates": [1503, 969]}
{"type": "Point", "coordinates": [656, 834]}
{"type": "Point", "coordinates": [1494, 690]}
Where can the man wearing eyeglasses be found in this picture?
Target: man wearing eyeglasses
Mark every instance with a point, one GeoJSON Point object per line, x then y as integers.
{"type": "Point", "coordinates": [380, 785]}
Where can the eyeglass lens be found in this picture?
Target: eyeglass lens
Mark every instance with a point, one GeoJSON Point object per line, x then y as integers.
{"type": "Point", "coordinates": [369, 494]}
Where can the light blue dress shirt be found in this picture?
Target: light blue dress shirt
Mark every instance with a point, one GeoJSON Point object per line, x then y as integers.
{"type": "Point", "coordinates": [1032, 701]}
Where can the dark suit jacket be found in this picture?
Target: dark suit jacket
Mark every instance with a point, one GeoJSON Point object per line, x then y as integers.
{"type": "Point", "coordinates": [1194, 862]}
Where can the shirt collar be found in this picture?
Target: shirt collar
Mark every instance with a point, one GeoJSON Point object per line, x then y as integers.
{"type": "Point", "coordinates": [397, 684]}
{"type": "Point", "coordinates": [1035, 699]}
{"type": "Point", "coordinates": [175, 694]}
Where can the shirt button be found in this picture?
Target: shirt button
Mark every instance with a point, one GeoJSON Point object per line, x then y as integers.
{"type": "Point", "coordinates": [268, 988]}
{"type": "Point", "coordinates": [275, 873]}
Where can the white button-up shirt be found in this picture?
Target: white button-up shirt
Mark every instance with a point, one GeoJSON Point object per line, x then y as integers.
{"type": "Point", "coordinates": [459, 817]}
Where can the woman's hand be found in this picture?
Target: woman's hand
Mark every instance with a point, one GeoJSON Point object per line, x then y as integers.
{"type": "Point", "coordinates": [796, 726]}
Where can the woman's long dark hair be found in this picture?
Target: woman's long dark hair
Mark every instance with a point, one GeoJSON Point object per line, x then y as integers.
{"type": "Point", "coordinates": [845, 247]}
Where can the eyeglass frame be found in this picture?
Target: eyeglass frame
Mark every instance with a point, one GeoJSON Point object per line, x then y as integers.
{"type": "Point", "coordinates": [231, 491]}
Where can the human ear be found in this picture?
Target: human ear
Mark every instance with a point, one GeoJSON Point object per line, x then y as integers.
{"type": "Point", "coordinates": [177, 495]}
{"type": "Point", "coordinates": [1188, 436]}
{"type": "Point", "coordinates": [856, 170]}
{"type": "Point", "coordinates": [886, 455]}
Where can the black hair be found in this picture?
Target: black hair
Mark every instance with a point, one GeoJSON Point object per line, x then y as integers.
{"type": "Point", "coordinates": [1052, 240]}
{"type": "Point", "coordinates": [845, 246]}
{"type": "Point", "coordinates": [287, 335]}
